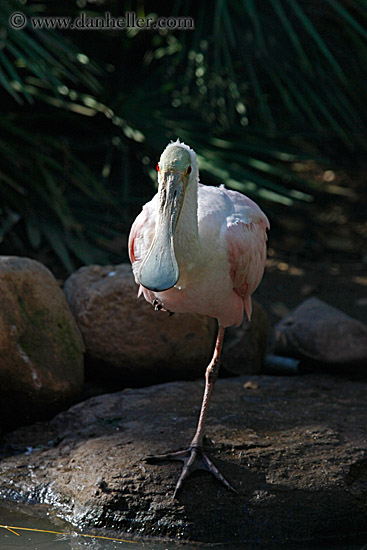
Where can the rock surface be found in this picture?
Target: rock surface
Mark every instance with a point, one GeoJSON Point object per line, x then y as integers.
{"type": "Point", "coordinates": [295, 448]}
{"type": "Point", "coordinates": [41, 358]}
{"type": "Point", "coordinates": [319, 332]}
{"type": "Point", "coordinates": [138, 345]}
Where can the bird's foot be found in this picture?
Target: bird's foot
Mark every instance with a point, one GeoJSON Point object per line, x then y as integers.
{"type": "Point", "coordinates": [193, 458]}
{"type": "Point", "coordinates": [158, 306]}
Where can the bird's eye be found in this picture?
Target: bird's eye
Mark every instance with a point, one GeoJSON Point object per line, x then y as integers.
{"type": "Point", "coordinates": [189, 170]}
{"type": "Point", "coordinates": [158, 168]}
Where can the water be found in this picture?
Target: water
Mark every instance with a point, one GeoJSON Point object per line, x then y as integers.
{"type": "Point", "coordinates": [64, 537]}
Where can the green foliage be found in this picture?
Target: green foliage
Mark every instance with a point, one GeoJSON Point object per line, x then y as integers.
{"type": "Point", "coordinates": [278, 65]}
{"type": "Point", "coordinates": [257, 86]}
{"type": "Point", "coordinates": [45, 55]}
{"type": "Point", "coordinates": [42, 177]}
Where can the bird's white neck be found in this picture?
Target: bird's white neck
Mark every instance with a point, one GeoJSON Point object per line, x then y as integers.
{"type": "Point", "coordinates": [186, 238]}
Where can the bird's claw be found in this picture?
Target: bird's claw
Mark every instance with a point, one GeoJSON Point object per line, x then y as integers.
{"type": "Point", "coordinates": [193, 458]}
{"type": "Point", "coordinates": [158, 306]}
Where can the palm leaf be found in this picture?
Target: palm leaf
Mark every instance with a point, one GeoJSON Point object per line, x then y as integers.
{"type": "Point", "coordinates": [295, 66]}
{"type": "Point", "coordinates": [31, 50]}
{"type": "Point", "coordinates": [39, 192]}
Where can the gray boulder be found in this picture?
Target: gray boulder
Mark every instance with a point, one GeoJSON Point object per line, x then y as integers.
{"type": "Point", "coordinates": [319, 332]}
{"type": "Point", "coordinates": [41, 359]}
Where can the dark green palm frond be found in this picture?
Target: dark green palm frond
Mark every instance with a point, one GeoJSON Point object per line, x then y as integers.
{"type": "Point", "coordinates": [277, 65]}
{"type": "Point", "coordinates": [44, 54]}
{"type": "Point", "coordinates": [252, 81]}
{"type": "Point", "coordinates": [39, 180]}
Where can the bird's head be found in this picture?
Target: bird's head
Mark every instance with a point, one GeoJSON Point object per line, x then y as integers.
{"type": "Point", "coordinates": [177, 169]}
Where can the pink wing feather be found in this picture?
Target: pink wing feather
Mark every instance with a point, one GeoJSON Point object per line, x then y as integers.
{"type": "Point", "coordinates": [246, 240]}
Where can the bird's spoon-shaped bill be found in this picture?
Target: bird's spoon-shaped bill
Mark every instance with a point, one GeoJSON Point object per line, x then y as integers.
{"type": "Point", "coordinates": [159, 271]}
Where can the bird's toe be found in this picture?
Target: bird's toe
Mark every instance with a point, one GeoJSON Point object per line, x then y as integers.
{"type": "Point", "coordinates": [193, 458]}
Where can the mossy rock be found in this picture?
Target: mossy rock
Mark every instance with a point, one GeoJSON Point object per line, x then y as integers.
{"type": "Point", "coordinates": [41, 359]}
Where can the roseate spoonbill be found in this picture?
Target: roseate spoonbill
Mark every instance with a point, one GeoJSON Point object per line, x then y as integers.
{"type": "Point", "coordinates": [198, 249]}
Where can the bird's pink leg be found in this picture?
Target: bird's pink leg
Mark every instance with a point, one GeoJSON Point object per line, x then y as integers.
{"type": "Point", "coordinates": [194, 457]}
{"type": "Point", "coordinates": [211, 375]}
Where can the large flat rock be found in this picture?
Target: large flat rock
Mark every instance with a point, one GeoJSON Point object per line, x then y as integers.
{"type": "Point", "coordinates": [295, 448]}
